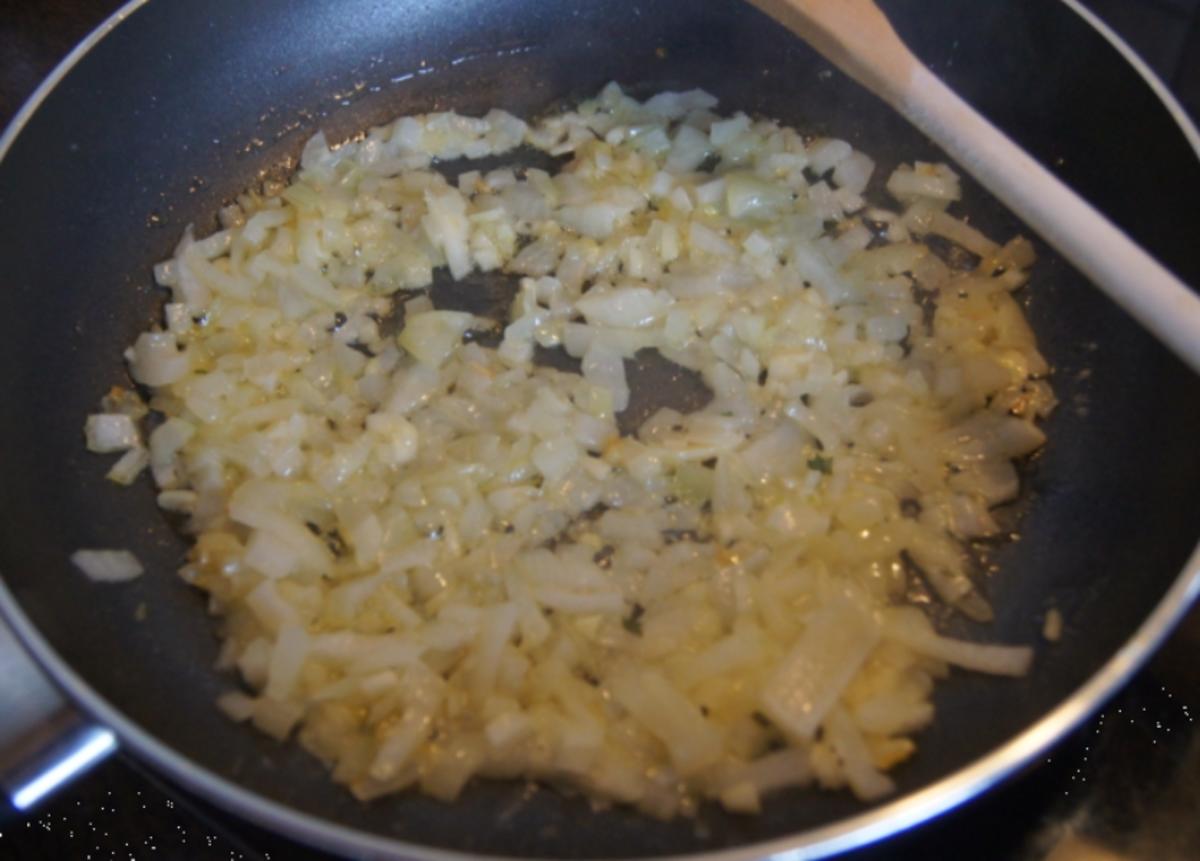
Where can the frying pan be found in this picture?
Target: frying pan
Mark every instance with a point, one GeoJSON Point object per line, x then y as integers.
{"type": "Point", "coordinates": [172, 107]}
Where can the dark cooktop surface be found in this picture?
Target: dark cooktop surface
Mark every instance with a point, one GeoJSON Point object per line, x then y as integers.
{"type": "Point", "coordinates": [1125, 786]}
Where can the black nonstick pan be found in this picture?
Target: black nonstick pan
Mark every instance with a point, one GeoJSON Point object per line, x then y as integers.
{"type": "Point", "coordinates": [175, 107]}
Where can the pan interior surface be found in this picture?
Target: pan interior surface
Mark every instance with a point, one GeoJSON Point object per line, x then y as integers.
{"type": "Point", "coordinates": [182, 106]}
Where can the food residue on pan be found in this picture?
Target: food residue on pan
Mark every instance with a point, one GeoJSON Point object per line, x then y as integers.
{"type": "Point", "coordinates": [437, 557]}
{"type": "Point", "coordinates": [1052, 626]}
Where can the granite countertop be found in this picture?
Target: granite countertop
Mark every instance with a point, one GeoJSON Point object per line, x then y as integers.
{"type": "Point", "coordinates": [1124, 786]}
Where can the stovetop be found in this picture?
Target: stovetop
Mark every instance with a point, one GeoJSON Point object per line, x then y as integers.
{"type": "Point", "coordinates": [1124, 787]}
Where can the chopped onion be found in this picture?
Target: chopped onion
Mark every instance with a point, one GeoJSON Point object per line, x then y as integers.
{"type": "Point", "coordinates": [923, 180]}
{"type": "Point", "coordinates": [811, 678]}
{"type": "Point", "coordinates": [156, 360]}
{"type": "Point", "coordinates": [914, 632]}
{"type": "Point", "coordinates": [692, 742]}
{"type": "Point", "coordinates": [107, 566]}
{"type": "Point", "coordinates": [438, 558]}
{"type": "Point", "coordinates": [129, 466]}
{"type": "Point", "coordinates": [111, 432]}
{"type": "Point", "coordinates": [431, 337]}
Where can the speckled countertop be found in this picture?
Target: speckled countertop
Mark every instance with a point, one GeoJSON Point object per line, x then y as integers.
{"type": "Point", "coordinates": [1125, 786]}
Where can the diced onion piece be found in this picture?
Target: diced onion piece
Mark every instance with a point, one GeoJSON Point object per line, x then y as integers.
{"type": "Point", "coordinates": [398, 439]}
{"type": "Point", "coordinates": [448, 229]}
{"type": "Point", "coordinates": [692, 742]}
{"type": "Point", "coordinates": [749, 196]}
{"type": "Point", "coordinates": [689, 149]}
{"type": "Point", "coordinates": [431, 337]}
{"type": "Point", "coordinates": [179, 501]}
{"type": "Point", "coordinates": [622, 307]}
{"type": "Point", "coordinates": [270, 555]}
{"type": "Point", "coordinates": [236, 705]}
{"type": "Point", "coordinates": [854, 172]}
{"type": "Point", "coordinates": [129, 466]}
{"type": "Point", "coordinates": [555, 457]}
{"type": "Point", "coordinates": [107, 566]}
{"type": "Point", "coordinates": [156, 360]}
{"type": "Point", "coordinates": [809, 680]}
{"type": "Point", "coordinates": [424, 693]}
{"type": "Point", "coordinates": [866, 781]}
{"type": "Point", "coordinates": [287, 658]}
{"type": "Point", "coordinates": [605, 367]}
{"type": "Point", "coordinates": [109, 432]}
{"type": "Point", "coordinates": [827, 153]}
{"type": "Point", "coordinates": [924, 180]}
{"type": "Point", "coordinates": [915, 633]}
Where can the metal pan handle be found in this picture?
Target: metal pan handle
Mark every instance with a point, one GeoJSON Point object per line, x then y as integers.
{"type": "Point", "coordinates": [45, 743]}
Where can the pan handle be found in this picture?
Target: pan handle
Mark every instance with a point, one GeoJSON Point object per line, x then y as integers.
{"type": "Point", "coordinates": [45, 743]}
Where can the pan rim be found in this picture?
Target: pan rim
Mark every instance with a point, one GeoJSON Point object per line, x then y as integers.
{"type": "Point", "coordinates": [855, 832]}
